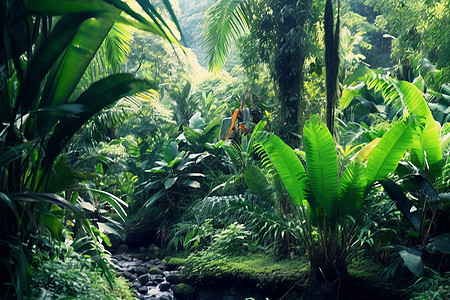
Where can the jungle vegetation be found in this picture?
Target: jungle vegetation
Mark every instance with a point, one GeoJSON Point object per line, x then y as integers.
{"type": "Point", "coordinates": [304, 133]}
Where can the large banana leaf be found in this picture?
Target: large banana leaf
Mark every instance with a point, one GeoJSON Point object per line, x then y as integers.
{"type": "Point", "coordinates": [76, 59]}
{"type": "Point", "coordinates": [289, 167]}
{"type": "Point", "coordinates": [429, 138]}
{"type": "Point", "coordinates": [96, 97]}
{"type": "Point", "coordinates": [352, 189]}
{"type": "Point", "coordinates": [390, 150]}
{"type": "Point", "coordinates": [45, 56]}
{"type": "Point", "coordinates": [406, 96]}
{"type": "Point", "coordinates": [364, 153]}
{"type": "Point", "coordinates": [321, 165]}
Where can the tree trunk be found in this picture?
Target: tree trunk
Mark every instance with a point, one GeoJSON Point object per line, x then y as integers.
{"type": "Point", "coordinates": [331, 61]}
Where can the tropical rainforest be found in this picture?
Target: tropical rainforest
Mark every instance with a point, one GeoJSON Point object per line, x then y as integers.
{"type": "Point", "coordinates": [225, 149]}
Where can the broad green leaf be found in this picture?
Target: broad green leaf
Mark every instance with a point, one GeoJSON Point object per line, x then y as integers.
{"type": "Point", "coordinates": [352, 189]}
{"type": "Point", "coordinates": [62, 176]}
{"type": "Point", "coordinates": [76, 59]}
{"type": "Point", "coordinates": [322, 170]}
{"type": "Point", "coordinates": [46, 55]}
{"type": "Point", "coordinates": [430, 142]}
{"type": "Point", "coordinates": [53, 223]}
{"type": "Point", "coordinates": [256, 181]}
{"type": "Point", "coordinates": [106, 228]}
{"type": "Point", "coordinates": [440, 243]}
{"type": "Point", "coordinates": [413, 261]}
{"type": "Point", "coordinates": [196, 121]}
{"type": "Point", "coordinates": [288, 166]}
{"type": "Point", "coordinates": [171, 152]}
{"type": "Point", "coordinates": [364, 153]}
{"type": "Point", "coordinates": [192, 183]}
{"type": "Point", "coordinates": [349, 93]}
{"type": "Point", "coordinates": [118, 204]}
{"type": "Point", "coordinates": [169, 182]}
{"type": "Point", "coordinates": [385, 156]}
{"type": "Point", "coordinates": [419, 83]}
{"type": "Point", "coordinates": [99, 95]}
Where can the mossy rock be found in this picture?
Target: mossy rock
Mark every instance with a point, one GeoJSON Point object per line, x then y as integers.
{"type": "Point", "coordinates": [155, 271]}
{"type": "Point", "coordinates": [183, 291]}
{"type": "Point", "coordinates": [174, 263]}
{"type": "Point", "coordinates": [143, 279]}
{"type": "Point", "coordinates": [175, 278]}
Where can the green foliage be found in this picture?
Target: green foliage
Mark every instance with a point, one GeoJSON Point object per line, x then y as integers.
{"type": "Point", "coordinates": [407, 98]}
{"type": "Point", "coordinates": [432, 286]}
{"type": "Point", "coordinates": [234, 240]}
{"type": "Point", "coordinates": [415, 35]}
{"type": "Point", "coordinates": [335, 212]}
{"type": "Point", "coordinates": [75, 277]}
{"type": "Point", "coordinates": [39, 80]}
{"type": "Point", "coordinates": [225, 22]}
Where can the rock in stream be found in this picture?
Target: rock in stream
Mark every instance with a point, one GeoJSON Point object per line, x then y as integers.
{"type": "Point", "coordinates": [149, 279]}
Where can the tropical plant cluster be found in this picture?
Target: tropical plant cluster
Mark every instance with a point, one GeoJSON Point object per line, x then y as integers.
{"type": "Point", "coordinates": [308, 149]}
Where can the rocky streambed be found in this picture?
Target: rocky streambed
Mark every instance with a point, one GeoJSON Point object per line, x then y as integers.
{"type": "Point", "coordinates": [152, 279]}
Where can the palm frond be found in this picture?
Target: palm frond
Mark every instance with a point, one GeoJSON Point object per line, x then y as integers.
{"type": "Point", "coordinates": [118, 45]}
{"type": "Point", "coordinates": [225, 22]}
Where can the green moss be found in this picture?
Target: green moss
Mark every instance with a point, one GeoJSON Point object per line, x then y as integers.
{"type": "Point", "coordinates": [155, 271]}
{"type": "Point", "coordinates": [183, 289]}
{"type": "Point", "coordinates": [174, 263]}
{"type": "Point", "coordinates": [369, 275]}
{"type": "Point", "coordinates": [258, 269]}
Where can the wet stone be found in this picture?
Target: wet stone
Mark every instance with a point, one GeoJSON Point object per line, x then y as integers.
{"type": "Point", "coordinates": [127, 275]}
{"type": "Point", "coordinates": [136, 284]}
{"type": "Point", "coordinates": [141, 270]}
{"type": "Point", "coordinates": [158, 278]}
{"type": "Point", "coordinates": [164, 286]}
{"type": "Point", "coordinates": [143, 290]}
{"type": "Point", "coordinates": [174, 278]}
{"type": "Point", "coordinates": [143, 279]}
{"type": "Point", "coordinates": [156, 271]}
{"type": "Point", "coordinates": [152, 283]}
{"type": "Point", "coordinates": [126, 257]}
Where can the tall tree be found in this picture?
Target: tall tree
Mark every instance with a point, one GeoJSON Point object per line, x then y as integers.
{"type": "Point", "coordinates": [280, 28]}
{"type": "Point", "coordinates": [331, 61]}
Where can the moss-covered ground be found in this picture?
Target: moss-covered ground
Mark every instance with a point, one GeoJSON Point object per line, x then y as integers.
{"type": "Point", "coordinates": [287, 278]}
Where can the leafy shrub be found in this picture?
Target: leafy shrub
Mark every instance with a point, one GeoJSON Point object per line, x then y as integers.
{"type": "Point", "coordinates": [232, 240]}
{"type": "Point", "coordinates": [76, 277]}
{"type": "Point", "coordinates": [434, 287]}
